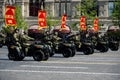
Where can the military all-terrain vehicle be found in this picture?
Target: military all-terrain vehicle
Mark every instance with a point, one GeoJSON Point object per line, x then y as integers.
{"type": "Point", "coordinates": [60, 42]}
{"type": "Point", "coordinates": [84, 43]}
{"type": "Point", "coordinates": [18, 50]}
{"type": "Point", "coordinates": [100, 41]}
{"type": "Point", "coordinates": [99, 38]}
{"type": "Point", "coordinates": [55, 45]}
{"type": "Point", "coordinates": [65, 47]}
{"type": "Point", "coordinates": [114, 37]}
{"type": "Point", "coordinates": [14, 49]}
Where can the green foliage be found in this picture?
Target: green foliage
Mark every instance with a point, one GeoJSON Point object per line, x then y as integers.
{"type": "Point", "coordinates": [51, 22]}
{"type": "Point", "coordinates": [19, 19]}
{"type": "Point", "coordinates": [88, 8]}
{"type": "Point", "coordinates": [74, 26]}
{"type": "Point", "coordinates": [8, 29]}
{"type": "Point", "coordinates": [116, 13]}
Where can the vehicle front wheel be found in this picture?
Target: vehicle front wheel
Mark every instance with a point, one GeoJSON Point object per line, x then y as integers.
{"type": "Point", "coordinates": [88, 51]}
{"type": "Point", "coordinates": [38, 55]}
{"type": "Point", "coordinates": [104, 49]}
{"type": "Point", "coordinates": [73, 53]}
{"type": "Point", "coordinates": [67, 52]}
{"type": "Point", "coordinates": [46, 56]}
{"type": "Point", "coordinates": [11, 56]}
{"type": "Point", "coordinates": [115, 48]}
{"type": "Point", "coordinates": [1, 45]}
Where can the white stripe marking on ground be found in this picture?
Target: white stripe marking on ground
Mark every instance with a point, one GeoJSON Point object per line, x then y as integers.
{"type": "Point", "coordinates": [95, 62]}
{"type": "Point", "coordinates": [60, 72]}
{"type": "Point", "coordinates": [54, 67]}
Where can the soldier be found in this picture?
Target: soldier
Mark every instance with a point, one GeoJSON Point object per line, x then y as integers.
{"type": "Point", "coordinates": [16, 37]}
{"type": "Point", "coordinates": [2, 39]}
{"type": "Point", "coordinates": [2, 35]}
{"type": "Point", "coordinates": [55, 37]}
{"type": "Point", "coordinates": [25, 38]}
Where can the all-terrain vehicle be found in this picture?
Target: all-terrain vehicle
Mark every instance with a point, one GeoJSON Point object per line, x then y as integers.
{"type": "Point", "coordinates": [83, 43]}
{"type": "Point", "coordinates": [65, 47]}
{"type": "Point", "coordinates": [100, 42]}
{"type": "Point", "coordinates": [113, 37]}
{"type": "Point", "coordinates": [113, 44]}
{"type": "Point", "coordinates": [14, 49]}
{"type": "Point", "coordinates": [61, 44]}
{"type": "Point", "coordinates": [17, 50]}
{"type": "Point", "coordinates": [55, 45]}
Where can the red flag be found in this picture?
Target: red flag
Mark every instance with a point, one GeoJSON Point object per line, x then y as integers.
{"type": "Point", "coordinates": [42, 19]}
{"type": "Point", "coordinates": [10, 16]}
{"type": "Point", "coordinates": [63, 25]}
{"type": "Point", "coordinates": [96, 28]}
{"type": "Point", "coordinates": [83, 23]}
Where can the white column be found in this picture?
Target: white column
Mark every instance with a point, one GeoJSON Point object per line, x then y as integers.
{"type": "Point", "coordinates": [27, 9]}
{"type": "Point", "coordinates": [53, 9]}
{"type": "Point", "coordinates": [106, 9]}
{"type": "Point", "coordinates": [22, 6]}
{"type": "Point", "coordinates": [3, 9]}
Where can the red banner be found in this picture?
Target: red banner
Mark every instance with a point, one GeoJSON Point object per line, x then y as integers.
{"type": "Point", "coordinates": [83, 23]}
{"type": "Point", "coordinates": [42, 19]}
{"type": "Point", "coordinates": [96, 28]}
{"type": "Point", "coordinates": [63, 25]}
{"type": "Point", "coordinates": [10, 16]}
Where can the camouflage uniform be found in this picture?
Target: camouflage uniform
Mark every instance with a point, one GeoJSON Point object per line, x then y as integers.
{"type": "Point", "coordinates": [55, 37]}
{"type": "Point", "coordinates": [24, 39]}
{"type": "Point", "coordinates": [2, 38]}
{"type": "Point", "coordinates": [16, 37]}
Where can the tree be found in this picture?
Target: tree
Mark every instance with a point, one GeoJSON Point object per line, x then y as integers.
{"type": "Point", "coordinates": [88, 8]}
{"type": "Point", "coordinates": [19, 19]}
{"type": "Point", "coordinates": [116, 13]}
{"type": "Point", "coordinates": [51, 22]}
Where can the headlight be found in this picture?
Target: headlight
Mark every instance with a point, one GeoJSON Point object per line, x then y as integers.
{"type": "Point", "coordinates": [87, 43]}
{"type": "Point", "coordinates": [12, 47]}
{"type": "Point", "coordinates": [67, 44]}
{"type": "Point", "coordinates": [39, 46]}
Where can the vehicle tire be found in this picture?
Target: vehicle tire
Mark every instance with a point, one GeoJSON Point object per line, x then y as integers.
{"type": "Point", "coordinates": [88, 51]}
{"type": "Point", "coordinates": [103, 48]}
{"type": "Point", "coordinates": [52, 52]}
{"type": "Point", "coordinates": [67, 52]}
{"type": "Point", "coordinates": [46, 56]}
{"type": "Point", "coordinates": [92, 50]}
{"type": "Point", "coordinates": [19, 55]}
{"type": "Point", "coordinates": [1, 45]}
{"type": "Point", "coordinates": [106, 49]}
{"type": "Point", "coordinates": [73, 53]}
{"type": "Point", "coordinates": [115, 48]}
{"type": "Point", "coordinates": [38, 55]}
{"type": "Point", "coordinates": [11, 56]}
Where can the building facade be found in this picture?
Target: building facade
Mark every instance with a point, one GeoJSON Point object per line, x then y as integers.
{"type": "Point", "coordinates": [56, 8]}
